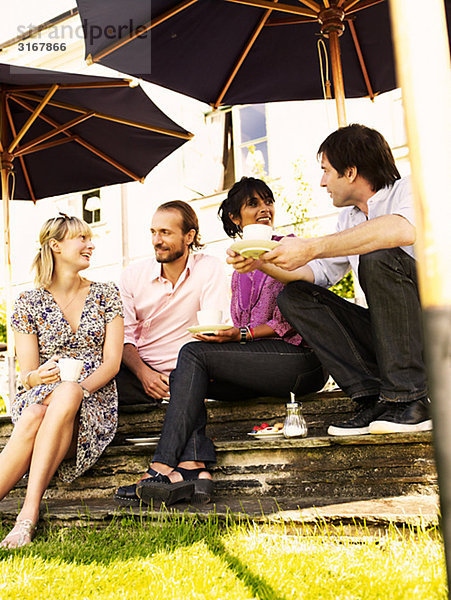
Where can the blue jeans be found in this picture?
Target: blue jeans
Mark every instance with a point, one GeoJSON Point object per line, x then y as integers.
{"type": "Point", "coordinates": [373, 351]}
{"type": "Point", "coordinates": [228, 371]}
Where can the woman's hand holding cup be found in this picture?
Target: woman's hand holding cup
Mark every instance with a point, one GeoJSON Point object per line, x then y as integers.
{"type": "Point", "coordinates": [49, 371]}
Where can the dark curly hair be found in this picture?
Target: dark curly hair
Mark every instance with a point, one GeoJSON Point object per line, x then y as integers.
{"type": "Point", "coordinates": [238, 194]}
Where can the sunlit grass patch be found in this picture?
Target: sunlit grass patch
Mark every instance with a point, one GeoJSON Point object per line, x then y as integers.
{"type": "Point", "coordinates": [178, 557]}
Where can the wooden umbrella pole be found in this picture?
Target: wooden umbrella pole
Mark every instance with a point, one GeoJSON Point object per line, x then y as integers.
{"type": "Point", "coordinates": [332, 26]}
{"type": "Point", "coordinates": [5, 169]}
{"type": "Point", "coordinates": [424, 72]}
{"type": "Point", "coordinates": [337, 76]}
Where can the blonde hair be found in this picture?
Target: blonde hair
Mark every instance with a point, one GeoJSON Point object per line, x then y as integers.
{"type": "Point", "coordinates": [55, 229]}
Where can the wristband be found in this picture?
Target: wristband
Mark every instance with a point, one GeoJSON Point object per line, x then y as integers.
{"type": "Point", "coordinates": [251, 333]}
{"type": "Point", "coordinates": [243, 335]}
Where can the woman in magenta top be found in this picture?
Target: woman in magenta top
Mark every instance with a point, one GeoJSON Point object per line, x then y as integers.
{"type": "Point", "coordinates": [261, 355]}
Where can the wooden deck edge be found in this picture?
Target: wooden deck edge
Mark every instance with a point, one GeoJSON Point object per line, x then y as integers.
{"type": "Point", "coordinates": [411, 511]}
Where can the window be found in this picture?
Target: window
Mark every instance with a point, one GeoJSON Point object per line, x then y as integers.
{"type": "Point", "coordinates": [91, 207]}
{"type": "Point", "coordinates": [238, 142]}
{"type": "Point", "coordinates": [251, 142]}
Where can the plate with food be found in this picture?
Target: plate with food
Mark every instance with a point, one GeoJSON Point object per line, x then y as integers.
{"type": "Point", "coordinates": [266, 431]}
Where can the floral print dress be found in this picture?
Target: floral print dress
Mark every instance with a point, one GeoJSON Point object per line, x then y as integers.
{"type": "Point", "coordinates": [36, 312]}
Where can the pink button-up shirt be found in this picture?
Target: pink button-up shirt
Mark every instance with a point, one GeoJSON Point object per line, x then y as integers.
{"type": "Point", "coordinates": [157, 314]}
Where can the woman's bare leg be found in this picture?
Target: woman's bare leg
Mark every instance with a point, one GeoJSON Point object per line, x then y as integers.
{"type": "Point", "coordinates": [16, 455]}
{"type": "Point", "coordinates": [51, 444]}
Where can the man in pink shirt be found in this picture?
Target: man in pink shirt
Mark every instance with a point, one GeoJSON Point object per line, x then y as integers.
{"type": "Point", "coordinates": [161, 297]}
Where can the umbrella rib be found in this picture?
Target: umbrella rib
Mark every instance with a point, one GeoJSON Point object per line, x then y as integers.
{"type": "Point", "coordinates": [363, 4]}
{"type": "Point", "coordinates": [90, 59]}
{"type": "Point", "coordinates": [42, 104]}
{"type": "Point", "coordinates": [108, 159]}
{"type": "Point", "coordinates": [42, 138]}
{"type": "Point", "coordinates": [355, 39]}
{"type": "Point", "coordinates": [271, 5]}
{"type": "Point", "coordinates": [276, 21]}
{"type": "Point", "coordinates": [40, 147]}
{"type": "Point", "coordinates": [313, 5]}
{"type": "Point", "coordinates": [242, 58]}
{"type": "Point", "coordinates": [74, 86]}
{"type": "Point", "coordinates": [84, 143]}
{"type": "Point", "coordinates": [22, 161]}
{"type": "Point", "coordinates": [348, 4]}
{"type": "Point", "coordinates": [120, 120]}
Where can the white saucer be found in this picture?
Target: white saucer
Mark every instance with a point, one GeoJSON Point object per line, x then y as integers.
{"type": "Point", "coordinates": [253, 248]}
{"type": "Point", "coordinates": [266, 436]}
{"type": "Point", "coordinates": [208, 328]}
{"type": "Point", "coordinates": [146, 440]}
{"type": "Point", "coordinates": [264, 433]}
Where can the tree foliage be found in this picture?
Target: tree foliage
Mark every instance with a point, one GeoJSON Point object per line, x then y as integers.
{"type": "Point", "coordinates": [2, 322]}
{"type": "Point", "coordinates": [345, 287]}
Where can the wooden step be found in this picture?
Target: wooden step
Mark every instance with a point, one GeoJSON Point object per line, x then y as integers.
{"type": "Point", "coordinates": [353, 467]}
{"type": "Point", "coordinates": [318, 466]}
{"type": "Point", "coordinates": [230, 420]}
{"type": "Point", "coordinates": [227, 420]}
{"type": "Point", "coordinates": [347, 517]}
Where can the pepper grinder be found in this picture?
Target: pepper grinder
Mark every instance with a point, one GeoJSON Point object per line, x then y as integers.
{"type": "Point", "coordinates": [294, 425]}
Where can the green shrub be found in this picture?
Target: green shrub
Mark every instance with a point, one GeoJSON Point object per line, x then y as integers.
{"type": "Point", "coordinates": [2, 322]}
{"type": "Point", "coordinates": [345, 287]}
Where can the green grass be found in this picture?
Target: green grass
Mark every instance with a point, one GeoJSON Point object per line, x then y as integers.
{"type": "Point", "coordinates": [186, 558]}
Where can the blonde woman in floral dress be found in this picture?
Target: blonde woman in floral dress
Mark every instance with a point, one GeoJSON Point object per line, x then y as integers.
{"type": "Point", "coordinates": [61, 425]}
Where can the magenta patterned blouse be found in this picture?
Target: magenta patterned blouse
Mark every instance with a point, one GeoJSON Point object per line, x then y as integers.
{"type": "Point", "coordinates": [254, 302]}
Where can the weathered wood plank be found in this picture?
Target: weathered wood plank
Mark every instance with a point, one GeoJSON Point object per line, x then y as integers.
{"type": "Point", "coordinates": [316, 466]}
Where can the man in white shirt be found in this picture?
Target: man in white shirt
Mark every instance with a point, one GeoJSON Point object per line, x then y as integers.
{"type": "Point", "coordinates": [161, 297]}
{"type": "Point", "coordinates": [374, 354]}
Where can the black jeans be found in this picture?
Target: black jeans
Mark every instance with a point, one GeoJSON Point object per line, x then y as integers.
{"type": "Point", "coordinates": [130, 390]}
{"type": "Point", "coordinates": [373, 351]}
{"type": "Point", "coordinates": [228, 371]}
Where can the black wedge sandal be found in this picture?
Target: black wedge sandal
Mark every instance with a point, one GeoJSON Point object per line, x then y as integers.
{"type": "Point", "coordinates": [159, 488]}
{"type": "Point", "coordinates": [203, 488]}
{"type": "Point", "coordinates": [125, 495]}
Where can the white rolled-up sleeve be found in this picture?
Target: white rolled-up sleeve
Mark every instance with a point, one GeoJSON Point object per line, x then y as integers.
{"type": "Point", "coordinates": [328, 271]}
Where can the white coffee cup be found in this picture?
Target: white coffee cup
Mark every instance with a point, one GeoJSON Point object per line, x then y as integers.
{"type": "Point", "coordinates": [257, 232]}
{"type": "Point", "coordinates": [70, 368]}
{"type": "Point", "coordinates": [209, 316]}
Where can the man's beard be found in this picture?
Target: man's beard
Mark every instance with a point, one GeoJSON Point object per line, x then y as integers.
{"type": "Point", "coordinates": [170, 257]}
